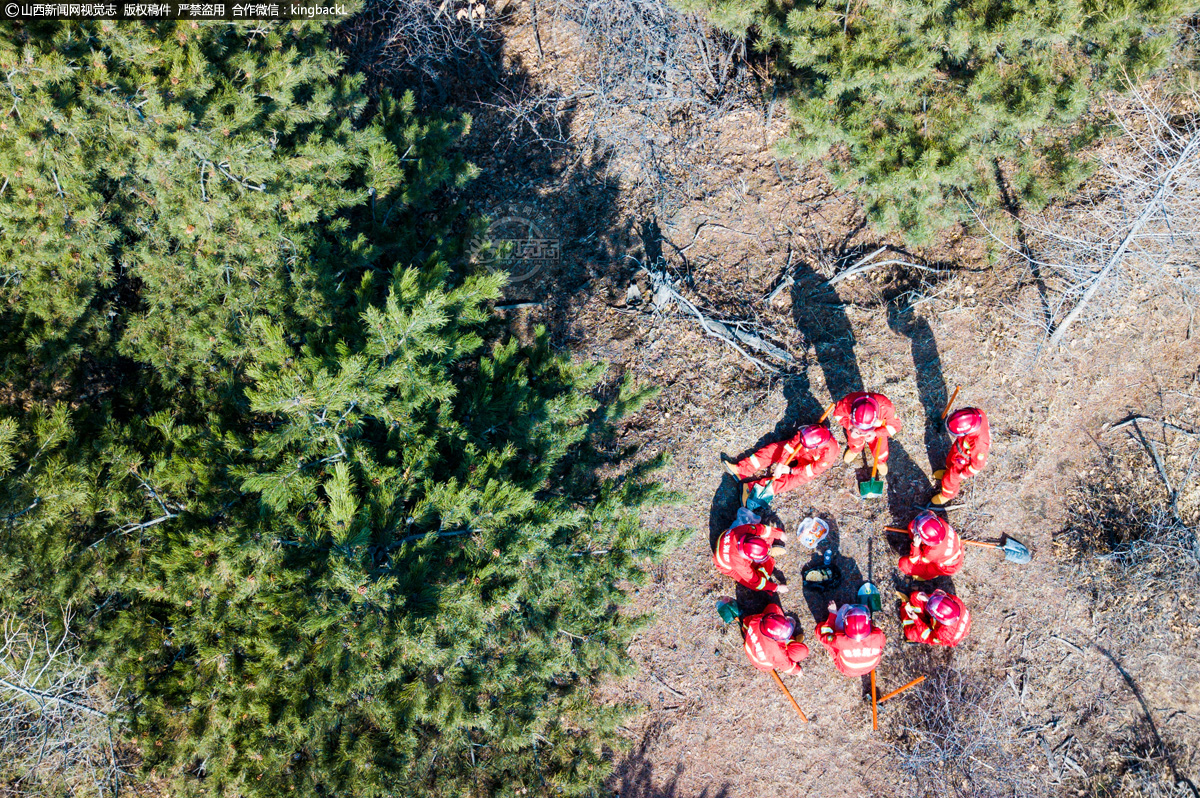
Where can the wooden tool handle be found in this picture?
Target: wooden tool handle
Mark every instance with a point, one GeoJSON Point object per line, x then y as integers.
{"type": "Point", "coordinates": [874, 705]}
{"type": "Point", "coordinates": [875, 459]}
{"type": "Point", "coordinates": [825, 415]}
{"type": "Point", "coordinates": [900, 690]}
{"type": "Point", "coordinates": [981, 543]}
{"type": "Point", "coordinates": [901, 530]}
{"type": "Point", "coordinates": [951, 402]}
{"type": "Point", "coordinates": [788, 693]}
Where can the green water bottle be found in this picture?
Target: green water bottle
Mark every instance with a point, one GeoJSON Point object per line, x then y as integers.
{"type": "Point", "coordinates": [727, 608]}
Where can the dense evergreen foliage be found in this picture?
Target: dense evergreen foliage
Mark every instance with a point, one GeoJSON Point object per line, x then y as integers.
{"type": "Point", "coordinates": [917, 106]}
{"type": "Point", "coordinates": [328, 531]}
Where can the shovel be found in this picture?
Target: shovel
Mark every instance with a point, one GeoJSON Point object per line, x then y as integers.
{"type": "Point", "coordinates": [874, 704]}
{"type": "Point", "coordinates": [1014, 550]}
{"type": "Point", "coordinates": [872, 488]}
{"type": "Point", "coordinates": [788, 693]}
{"type": "Point", "coordinates": [868, 594]}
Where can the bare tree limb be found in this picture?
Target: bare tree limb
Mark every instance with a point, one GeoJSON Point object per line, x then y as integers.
{"type": "Point", "coordinates": [1114, 260]}
{"type": "Point", "coordinates": [49, 698]}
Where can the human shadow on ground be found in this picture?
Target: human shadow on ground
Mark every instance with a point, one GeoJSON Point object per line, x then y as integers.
{"type": "Point", "coordinates": [931, 382]}
{"type": "Point", "coordinates": [906, 486]}
{"type": "Point", "coordinates": [1013, 207]}
{"type": "Point", "coordinates": [821, 318]}
{"type": "Point", "coordinates": [635, 775]}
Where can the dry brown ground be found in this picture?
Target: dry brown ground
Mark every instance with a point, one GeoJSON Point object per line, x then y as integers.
{"type": "Point", "coordinates": [712, 725]}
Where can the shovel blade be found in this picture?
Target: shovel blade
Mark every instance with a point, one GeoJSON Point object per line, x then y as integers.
{"type": "Point", "coordinates": [868, 594]}
{"type": "Point", "coordinates": [871, 489]}
{"type": "Point", "coordinates": [1016, 551]}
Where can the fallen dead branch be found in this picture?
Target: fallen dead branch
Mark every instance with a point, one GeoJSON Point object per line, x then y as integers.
{"type": "Point", "coordinates": [1153, 205]}
{"type": "Point", "coordinates": [1132, 233]}
{"type": "Point", "coordinates": [1135, 419]}
{"type": "Point", "coordinates": [733, 334]}
{"type": "Point", "coordinates": [418, 43]}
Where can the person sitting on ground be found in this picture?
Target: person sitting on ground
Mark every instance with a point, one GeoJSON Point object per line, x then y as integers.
{"type": "Point", "coordinates": [936, 550]}
{"type": "Point", "coordinates": [788, 464]}
{"type": "Point", "coordinates": [867, 418]}
{"type": "Point", "coordinates": [852, 638]}
{"type": "Point", "coordinates": [937, 619]}
{"type": "Point", "coordinates": [773, 642]}
{"type": "Point", "coordinates": [968, 455]}
{"type": "Point", "coordinates": [746, 552]}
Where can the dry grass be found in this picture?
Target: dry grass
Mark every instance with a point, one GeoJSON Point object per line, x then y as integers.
{"type": "Point", "coordinates": [957, 737]}
{"type": "Point", "coordinates": [1129, 544]}
{"type": "Point", "coordinates": [1132, 544]}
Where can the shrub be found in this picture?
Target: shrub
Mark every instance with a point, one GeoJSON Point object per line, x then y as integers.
{"type": "Point", "coordinates": [923, 108]}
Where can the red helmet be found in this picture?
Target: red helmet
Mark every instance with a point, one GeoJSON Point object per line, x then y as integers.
{"type": "Point", "coordinates": [777, 627]}
{"type": "Point", "coordinates": [943, 609]}
{"type": "Point", "coordinates": [965, 421]}
{"type": "Point", "coordinates": [754, 547]}
{"type": "Point", "coordinates": [863, 413]}
{"type": "Point", "coordinates": [857, 622]}
{"type": "Point", "coordinates": [929, 528]}
{"type": "Point", "coordinates": [813, 436]}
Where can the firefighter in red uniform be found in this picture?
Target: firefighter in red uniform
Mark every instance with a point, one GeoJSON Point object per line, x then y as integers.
{"type": "Point", "coordinates": [769, 643]}
{"type": "Point", "coordinates": [938, 619]}
{"type": "Point", "coordinates": [968, 455]}
{"type": "Point", "coordinates": [745, 551]}
{"type": "Point", "coordinates": [813, 450]}
{"type": "Point", "coordinates": [867, 417]}
{"type": "Point", "coordinates": [855, 642]}
{"type": "Point", "coordinates": [936, 551]}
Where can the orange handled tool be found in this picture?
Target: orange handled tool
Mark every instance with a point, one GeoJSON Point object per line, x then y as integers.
{"type": "Point", "coordinates": [788, 693]}
{"type": "Point", "coordinates": [951, 402]}
{"type": "Point", "coordinates": [900, 690]}
{"type": "Point", "coordinates": [874, 705]}
{"type": "Point", "coordinates": [825, 415]}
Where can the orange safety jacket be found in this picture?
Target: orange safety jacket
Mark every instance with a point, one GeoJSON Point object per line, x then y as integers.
{"type": "Point", "coordinates": [852, 657]}
{"type": "Point", "coordinates": [809, 464]}
{"type": "Point", "coordinates": [730, 561]}
{"type": "Point", "coordinates": [886, 423]}
{"type": "Point", "coordinates": [920, 627]}
{"type": "Point", "coordinates": [967, 457]}
{"type": "Point", "coordinates": [929, 562]}
{"type": "Point", "coordinates": [768, 654]}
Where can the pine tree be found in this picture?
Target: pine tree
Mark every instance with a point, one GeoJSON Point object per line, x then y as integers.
{"type": "Point", "coordinates": [329, 531]}
{"type": "Point", "coordinates": [921, 108]}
